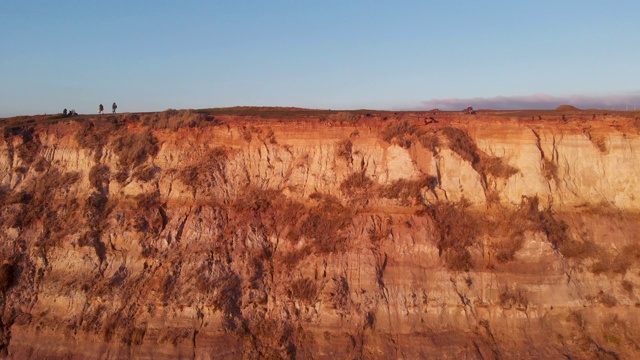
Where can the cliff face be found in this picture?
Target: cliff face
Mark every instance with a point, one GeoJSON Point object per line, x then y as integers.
{"type": "Point", "coordinates": [321, 235]}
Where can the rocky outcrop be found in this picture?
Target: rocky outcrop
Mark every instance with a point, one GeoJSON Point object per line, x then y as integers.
{"type": "Point", "coordinates": [272, 233]}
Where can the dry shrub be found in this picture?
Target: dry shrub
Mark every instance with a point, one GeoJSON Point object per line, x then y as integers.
{"type": "Point", "coordinates": [273, 338]}
{"type": "Point", "coordinates": [41, 165]}
{"type": "Point", "coordinates": [28, 150]}
{"type": "Point", "coordinates": [67, 179]}
{"type": "Point", "coordinates": [207, 171]}
{"type": "Point", "coordinates": [173, 119]}
{"type": "Point", "coordinates": [509, 298]}
{"type": "Point", "coordinates": [133, 336]}
{"type": "Point", "coordinates": [121, 176]}
{"type": "Point", "coordinates": [39, 195]}
{"type": "Point", "coordinates": [91, 238]}
{"type": "Point", "coordinates": [574, 249]}
{"type": "Point", "coordinates": [597, 140]}
{"type": "Point", "coordinates": [270, 137]}
{"type": "Point", "coordinates": [254, 202]}
{"type": "Point", "coordinates": [4, 194]}
{"type": "Point", "coordinates": [496, 167]}
{"type": "Point", "coordinates": [513, 224]}
{"type": "Point", "coordinates": [268, 211]}
{"type": "Point", "coordinates": [340, 297]}
{"type": "Point", "coordinates": [636, 123]}
{"type": "Point", "coordinates": [462, 144]}
{"type": "Point", "coordinates": [600, 143]}
{"type": "Point", "coordinates": [94, 134]}
{"type": "Point", "coordinates": [355, 184]}
{"type": "Point", "coordinates": [430, 141]}
{"type": "Point", "coordinates": [404, 189]}
{"type": "Point", "coordinates": [99, 176]}
{"type": "Point", "coordinates": [96, 203]}
{"type": "Point", "coordinates": [343, 116]}
{"type": "Point", "coordinates": [190, 175]}
{"type": "Point", "coordinates": [627, 258]}
{"type": "Point", "coordinates": [492, 197]}
{"type": "Point", "coordinates": [506, 250]}
{"type": "Point", "coordinates": [325, 224]}
{"type": "Point", "coordinates": [272, 214]}
{"type": "Point", "coordinates": [291, 259]}
{"type": "Point", "coordinates": [246, 134]}
{"type": "Point", "coordinates": [458, 259]}
{"type": "Point", "coordinates": [7, 276]}
{"type": "Point", "coordinates": [508, 227]}
{"type": "Point", "coordinates": [282, 216]}
{"type": "Point", "coordinates": [149, 217]}
{"type": "Point", "coordinates": [557, 232]}
{"type": "Point", "coordinates": [146, 173]}
{"type": "Point", "coordinates": [458, 230]}
{"type": "Point", "coordinates": [134, 148]}
{"type": "Point", "coordinates": [20, 197]}
{"type": "Point", "coordinates": [22, 170]}
{"type": "Point", "coordinates": [174, 335]}
{"type": "Point", "coordinates": [228, 294]}
{"type": "Point", "coordinates": [321, 223]}
{"type": "Point", "coordinates": [380, 229]}
{"type": "Point", "coordinates": [344, 150]}
{"type": "Point", "coordinates": [305, 290]}
{"type": "Point", "coordinates": [608, 300]}
{"type": "Point", "coordinates": [549, 170]}
{"type": "Point", "coordinates": [603, 298]}
{"type": "Point", "coordinates": [148, 200]}
{"type": "Point", "coordinates": [401, 133]}
{"type": "Point", "coordinates": [94, 211]}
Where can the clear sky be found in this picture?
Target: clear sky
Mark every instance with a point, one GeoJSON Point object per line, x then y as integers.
{"type": "Point", "coordinates": [331, 54]}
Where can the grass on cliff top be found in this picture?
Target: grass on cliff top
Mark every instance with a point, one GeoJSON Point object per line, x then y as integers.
{"type": "Point", "coordinates": [267, 112]}
{"type": "Point", "coordinates": [286, 112]}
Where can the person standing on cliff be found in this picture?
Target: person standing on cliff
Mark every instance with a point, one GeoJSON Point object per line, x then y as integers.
{"type": "Point", "coordinates": [100, 109]}
{"type": "Point", "coordinates": [114, 107]}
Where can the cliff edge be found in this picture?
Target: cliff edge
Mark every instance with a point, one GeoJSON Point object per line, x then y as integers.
{"type": "Point", "coordinates": [292, 233]}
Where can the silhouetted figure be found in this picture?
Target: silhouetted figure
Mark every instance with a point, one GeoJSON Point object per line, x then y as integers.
{"type": "Point", "coordinates": [100, 109]}
{"type": "Point", "coordinates": [114, 107]}
{"type": "Point", "coordinates": [64, 112]}
{"type": "Point", "coordinates": [73, 112]}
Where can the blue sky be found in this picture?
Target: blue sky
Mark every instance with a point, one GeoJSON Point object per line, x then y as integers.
{"type": "Point", "coordinates": [347, 54]}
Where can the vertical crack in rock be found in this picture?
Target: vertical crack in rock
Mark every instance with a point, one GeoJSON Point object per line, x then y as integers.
{"type": "Point", "coordinates": [381, 265]}
{"type": "Point", "coordinates": [165, 218]}
{"type": "Point", "coordinates": [483, 330]}
{"type": "Point", "coordinates": [180, 228]}
{"type": "Point", "coordinates": [439, 179]}
{"type": "Point", "coordinates": [538, 144]}
{"type": "Point", "coordinates": [466, 302]}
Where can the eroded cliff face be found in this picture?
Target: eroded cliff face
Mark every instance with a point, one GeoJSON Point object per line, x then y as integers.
{"type": "Point", "coordinates": [321, 235]}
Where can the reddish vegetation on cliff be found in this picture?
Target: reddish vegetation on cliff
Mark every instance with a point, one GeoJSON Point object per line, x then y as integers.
{"type": "Point", "coordinates": [295, 233]}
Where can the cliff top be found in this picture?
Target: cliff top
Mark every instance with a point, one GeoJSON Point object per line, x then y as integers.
{"type": "Point", "coordinates": [563, 113]}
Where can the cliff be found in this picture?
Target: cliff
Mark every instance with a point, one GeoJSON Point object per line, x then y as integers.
{"type": "Point", "coordinates": [288, 233]}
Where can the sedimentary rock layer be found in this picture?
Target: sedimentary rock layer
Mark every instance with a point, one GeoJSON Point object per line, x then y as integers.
{"type": "Point", "coordinates": [271, 233]}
